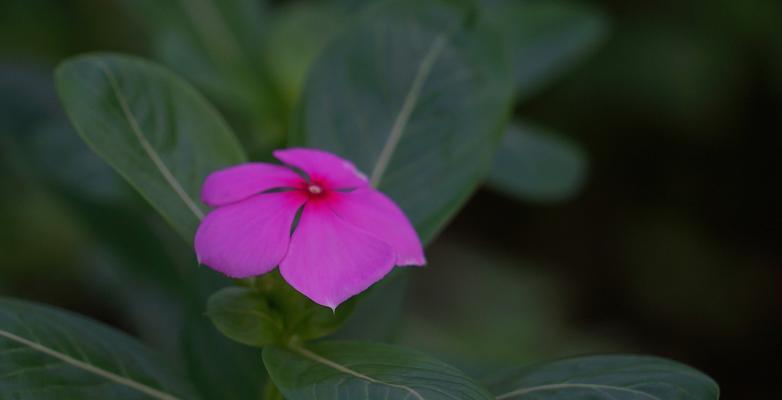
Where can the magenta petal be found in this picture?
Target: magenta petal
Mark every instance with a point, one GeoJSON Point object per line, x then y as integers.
{"type": "Point", "coordinates": [330, 260]}
{"type": "Point", "coordinates": [239, 182]}
{"type": "Point", "coordinates": [375, 213]}
{"type": "Point", "coordinates": [249, 237]}
{"type": "Point", "coordinates": [323, 167]}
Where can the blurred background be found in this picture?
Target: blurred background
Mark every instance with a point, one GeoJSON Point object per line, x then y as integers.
{"type": "Point", "coordinates": [664, 239]}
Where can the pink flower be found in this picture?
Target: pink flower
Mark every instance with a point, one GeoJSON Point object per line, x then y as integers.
{"type": "Point", "coordinates": [348, 237]}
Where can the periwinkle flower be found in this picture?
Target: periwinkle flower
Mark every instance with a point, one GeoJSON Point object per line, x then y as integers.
{"type": "Point", "coordinates": [348, 236]}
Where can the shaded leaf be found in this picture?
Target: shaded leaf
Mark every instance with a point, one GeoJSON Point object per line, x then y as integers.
{"type": "Point", "coordinates": [297, 34]}
{"type": "Point", "coordinates": [545, 38]}
{"type": "Point", "coordinates": [355, 370]}
{"type": "Point", "coordinates": [220, 368]}
{"type": "Point", "coordinates": [218, 45]}
{"type": "Point", "coordinates": [415, 100]}
{"type": "Point", "coordinates": [612, 377]}
{"type": "Point", "coordinates": [536, 165]}
{"type": "Point", "coordinates": [152, 127]}
{"type": "Point", "coordinates": [49, 353]}
{"type": "Point", "coordinates": [378, 311]}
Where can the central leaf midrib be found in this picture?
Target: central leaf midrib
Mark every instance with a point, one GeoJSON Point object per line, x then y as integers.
{"type": "Point", "coordinates": [403, 117]}
{"type": "Point", "coordinates": [334, 365]}
{"type": "Point", "coordinates": [168, 176]}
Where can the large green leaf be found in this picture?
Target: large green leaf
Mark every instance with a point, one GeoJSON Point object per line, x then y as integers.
{"type": "Point", "coordinates": [545, 38]}
{"type": "Point", "coordinates": [537, 165]}
{"type": "Point", "coordinates": [615, 377]}
{"type": "Point", "coordinates": [355, 370]}
{"type": "Point", "coordinates": [415, 100]}
{"type": "Point", "coordinates": [53, 354]}
{"type": "Point", "coordinates": [152, 127]}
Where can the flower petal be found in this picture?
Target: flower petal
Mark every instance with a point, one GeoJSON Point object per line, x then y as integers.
{"type": "Point", "coordinates": [330, 260]}
{"type": "Point", "coordinates": [250, 237]}
{"type": "Point", "coordinates": [375, 213]}
{"type": "Point", "coordinates": [239, 182]}
{"type": "Point", "coordinates": [324, 167]}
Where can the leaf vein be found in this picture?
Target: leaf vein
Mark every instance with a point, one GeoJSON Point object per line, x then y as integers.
{"type": "Point", "coordinates": [148, 149]}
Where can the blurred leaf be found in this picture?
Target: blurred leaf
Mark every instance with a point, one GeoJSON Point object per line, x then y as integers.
{"type": "Point", "coordinates": [297, 34]}
{"type": "Point", "coordinates": [612, 377]}
{"type": "Point", "coordinates": [48, 353]}
{"type": "Point", "coordinates": [152, 127]}
{"type": "Point", "coordinates": [545, 38]}
{"type": "Point", "coordinates": [214, 43]}
{"type": "Point", "coordinates": [415, 101]}
{"type": "Point", "coordinates": [244, 315]}
{"type": "Point", "coordinates": [218, 45]}
{"type": "Point", "coordinates": [535, 165]}
{"type": "Point", "coordinates": [520, 302]}
{"type": "Point", "coordinates": [69, 165]}
{"type": "Point", "coordinates": [220, 368]}
{"type": "Point", "coordinates": [25, 99]}
{"type": "Point", "coordinates": [355, 370]}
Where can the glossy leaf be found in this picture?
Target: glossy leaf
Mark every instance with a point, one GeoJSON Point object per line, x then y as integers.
{"type": "Point", "coordinates": [151, 127]}
{"type": "Point", "coordinates": [545, 38]}
{"type": "Point", "coordinates": [614, 377]}
{"type": "Point", "coordinates": [536, 165]}
{"type": "Point", "coordinates": [355, 370]}
{"type": "Point", "coordinates": [244, 315]}
{"type": "Point", "coordinates": [49, 353]}
{"type": "Point", "coordinates": [415, 100]}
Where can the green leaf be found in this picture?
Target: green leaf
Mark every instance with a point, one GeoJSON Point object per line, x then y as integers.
{"type": "Point", "coordinates": [614, 377]}
{"type": "Point", "coordinates": [415, 100]}
{"type": "Point", "coordinates": [49, 353]}
{"type": "Point", "coordinates": [355, 370]}
{"type": "Point", "coordinates": [536, 165]}
{"type": "Point", "coordinates": [151, 127]}
{"type": "Point", "coordinates": [545, 38]}
{"type": "Point", "coordinates": [244, 315]}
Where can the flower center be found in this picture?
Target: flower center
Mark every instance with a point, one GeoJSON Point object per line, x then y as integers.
{"type": "Point", "coordinates": [315, 189]}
